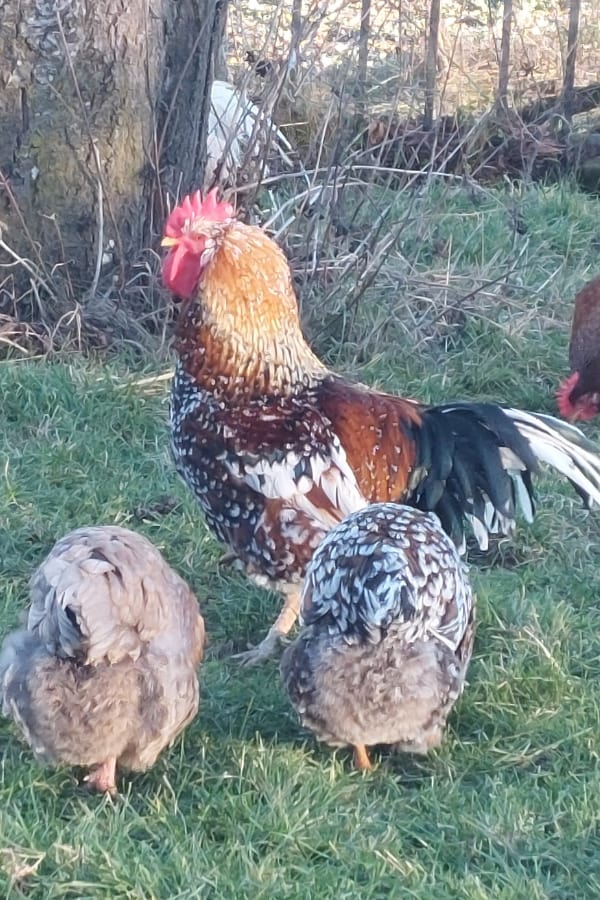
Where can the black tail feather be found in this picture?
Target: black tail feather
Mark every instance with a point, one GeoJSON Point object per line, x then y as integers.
{"type": "Point", "coordinates": [475, 461]}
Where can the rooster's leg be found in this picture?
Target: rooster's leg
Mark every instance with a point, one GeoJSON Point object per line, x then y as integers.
{"type": "Point", "coordinates": [102, 778]}
{"type": "Point", "coordinates": [283, 624]}
{"type": "Point", "coordinates": [227, 559]}
{"type": "Point", "coordinates": [361, 757]}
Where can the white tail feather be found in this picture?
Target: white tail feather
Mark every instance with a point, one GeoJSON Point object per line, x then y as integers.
{"type": "Point", "coordinates": [563, 447]}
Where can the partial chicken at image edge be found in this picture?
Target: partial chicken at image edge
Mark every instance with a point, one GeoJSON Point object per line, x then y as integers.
{"type": "Point", "coordinates": [105, 672]}
{"type": "Point", "coordinates": [278, 449]}
{"type": "Point", "coordinates": [388, 618]}
{"type": "Point", "coordinates": [578, 397]}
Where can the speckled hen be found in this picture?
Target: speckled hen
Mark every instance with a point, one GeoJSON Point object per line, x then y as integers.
{"type": "Point", "coordinates": [389, 624]}
{"type": "Point", "coordinates": [105, 671]}
{"type": "Point", "coordinates": [278, 449]}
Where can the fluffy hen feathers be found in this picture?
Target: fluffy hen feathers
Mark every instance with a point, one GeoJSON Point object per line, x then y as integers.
{"type": "Point", "coordinates": [105, 670]}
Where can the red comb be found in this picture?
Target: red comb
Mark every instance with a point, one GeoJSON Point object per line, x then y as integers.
{"type": "Point", "coordinates": [193, 207]}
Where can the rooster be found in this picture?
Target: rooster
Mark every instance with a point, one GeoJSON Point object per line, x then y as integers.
{"type": "Point", "coordinates": [278, 449]}
{"type": "Point", "coordinates": [579, 395]}
{"type": "Point", "coordinates": [389, 626]}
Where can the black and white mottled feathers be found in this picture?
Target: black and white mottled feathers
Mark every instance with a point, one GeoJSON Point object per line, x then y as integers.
{"type": "Point", "coordinates": [270, 475]}
{"type": "Point", "coordinates": [388, 563]}
{"type": "Point", "coordinates": [388, 619]}
{"type": "Point", "coordinates": [264, 469]}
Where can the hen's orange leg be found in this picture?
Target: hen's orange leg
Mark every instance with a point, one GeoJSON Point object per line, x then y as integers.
{"type": "Point", "coordinates": [103, 778]}
{"type": "Point", "coordinates": [282, 626]}
{"type": "Point", "coordinates": [361, 757]}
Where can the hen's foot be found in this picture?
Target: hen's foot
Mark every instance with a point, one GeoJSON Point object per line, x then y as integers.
{"type": "Point", "coordinates": [361, 757]}
{"type": "Point", "coordinates": [103, 778]}
{"type": "Point", "coordinates": [267, 648]}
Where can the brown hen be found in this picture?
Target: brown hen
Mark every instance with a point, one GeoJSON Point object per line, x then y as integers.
{"type": "Point", "coordinates": [579, 395]}
{"type": "Point", "coordinates": [278, 449]}
{"type": "Point", "coordinates": [105, 671]}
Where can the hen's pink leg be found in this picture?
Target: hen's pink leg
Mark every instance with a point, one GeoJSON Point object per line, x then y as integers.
{"type": "Point", "coordinates": [102, 778]}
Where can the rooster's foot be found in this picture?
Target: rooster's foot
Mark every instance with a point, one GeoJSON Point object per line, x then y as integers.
{"type": "Point", "coordinates": [227, 559]}
{"type": "Point", "coordinates": [267, 648]}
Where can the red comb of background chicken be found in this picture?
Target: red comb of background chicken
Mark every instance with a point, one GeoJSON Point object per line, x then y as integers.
{"type": "Point", "coordinates": [193, 207]}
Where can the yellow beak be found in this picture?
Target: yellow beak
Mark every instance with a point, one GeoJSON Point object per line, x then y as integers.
{"type": "Point", "coordinates": [168, 242]}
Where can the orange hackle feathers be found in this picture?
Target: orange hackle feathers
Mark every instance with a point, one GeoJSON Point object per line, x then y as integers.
{"type": "Point", "coordinates": [247, 305]}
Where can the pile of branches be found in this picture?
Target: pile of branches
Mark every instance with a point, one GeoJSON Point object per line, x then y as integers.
{"type": "Point", "coordinates": [535, 143]}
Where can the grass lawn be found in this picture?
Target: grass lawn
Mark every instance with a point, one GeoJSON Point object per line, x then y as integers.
{"type": "Point", "coordinates": [245, 804]}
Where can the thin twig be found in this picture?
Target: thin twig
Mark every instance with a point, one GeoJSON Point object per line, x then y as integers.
{"type": "Point", "coordinates": [100, 242]}
{"type": "Point", "coordinates": [29, 266]}
{"type": "Point", "coordinates": [5, 184]}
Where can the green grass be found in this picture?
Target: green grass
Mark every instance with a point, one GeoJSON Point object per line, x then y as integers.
{"type": "Point", "coordinates": [246, 805]}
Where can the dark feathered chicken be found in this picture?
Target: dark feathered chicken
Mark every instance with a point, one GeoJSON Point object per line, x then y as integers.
{"type": "Point", "coordinates": [579, 395]}
{"type": "Point", "coordinates": [105, 671]}
{"type": "Point", "coordinates": [388, 615]}
{"type": "Point", "coordinates": [278, 449]}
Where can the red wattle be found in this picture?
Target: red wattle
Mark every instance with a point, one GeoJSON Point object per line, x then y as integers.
{"type": "Point", "coordinates": [181, 272]}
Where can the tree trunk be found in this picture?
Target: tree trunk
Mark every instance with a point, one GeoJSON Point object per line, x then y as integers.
{"type": "Point", "coordinates": [102, 112]}
{"type": "Point", "coordinates": [504, 67]}
{"type": "Point", "coordinates": [296, 35]}
{"type": "Point", "coordinates": [363, 47]}
{"type": "Point", "coordinates": [568, 92]}
{"type": "Point", "coordinates": [431, 63]}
